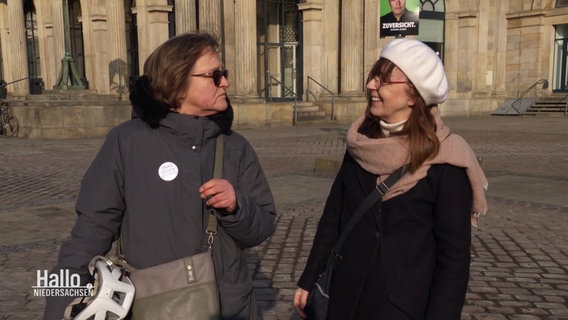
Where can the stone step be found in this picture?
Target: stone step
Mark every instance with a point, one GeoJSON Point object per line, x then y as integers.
{"type": "Point", "coordinates": [65, 103]}
{"type": "Point", "coordinates": [311, 113]}
{"type": "Point", "coordinates": [307, 108]}
{"type": "Point", "coordinates": [547, 107]}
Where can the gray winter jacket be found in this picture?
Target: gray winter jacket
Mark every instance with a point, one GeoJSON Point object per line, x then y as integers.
{"type": "Point", "coordinates": [132, 187]}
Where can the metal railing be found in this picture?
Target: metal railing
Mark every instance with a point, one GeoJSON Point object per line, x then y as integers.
{"type": "Point", "coordinates": [544, 83]}
{"type": "Point", "coordinates": [286, 91]}
{"type": "Point", "coordinates": [310, 92]}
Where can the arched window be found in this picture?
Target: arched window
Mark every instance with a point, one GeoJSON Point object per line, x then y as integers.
{"type": "Point", "coordinates": [432, 24]}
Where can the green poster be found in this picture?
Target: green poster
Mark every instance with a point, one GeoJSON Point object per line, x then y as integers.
{"type": "Point", "coordinates": [399, 17]}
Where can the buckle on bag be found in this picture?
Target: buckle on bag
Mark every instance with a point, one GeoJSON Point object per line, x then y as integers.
{"type": "Point", "coordinates": [382, 188]}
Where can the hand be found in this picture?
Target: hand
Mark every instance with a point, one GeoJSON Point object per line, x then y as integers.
{"type": "Point", "coordinates": [300, 300]}
{"type": "Point", "coordinates": [220, 194]}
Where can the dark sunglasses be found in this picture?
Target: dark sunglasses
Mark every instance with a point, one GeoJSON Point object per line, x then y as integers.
{"type": "Point", "coordinates": [216, 75]}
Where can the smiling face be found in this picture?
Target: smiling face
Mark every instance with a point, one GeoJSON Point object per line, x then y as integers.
{"type": "Point", "coordinates": [390, 96]}
{"type": "Point", "coordinates": [202, 97]}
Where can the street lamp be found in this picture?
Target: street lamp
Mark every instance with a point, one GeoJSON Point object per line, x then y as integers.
{"type": "Point", "coordinates": [68, 69]}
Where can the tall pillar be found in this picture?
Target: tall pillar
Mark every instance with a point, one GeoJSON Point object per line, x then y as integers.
{"type": "Point", "coordinates": [210, 16]}
{"type": "Point", "coordinates": [152, 19]}
{"type": "Point", "coordinates": [312, 41]}
{"type": "Point", "coordinates": [186, 16]}
{"type": "Point", "coordinates": [45, 35]}
{"type": "Point", "coordinates": [58, 31]}
{"type": "Point", "coordinates": [330, 42]}
{"type": "Point", "coordinates": [245, 79]}
{"type": "Point", "coordinates": [371, 47]}
{"type": "Point", "coordinates": [3, 41]}
{"type": "Point", "coordinates": [18, 67]}
{"type": "Point", "coordinates": [118, 65]}
{"type": "Point", "coordinates": [352, 48]}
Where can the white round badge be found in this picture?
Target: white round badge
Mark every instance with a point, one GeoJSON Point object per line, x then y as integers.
{"type": "Point", "coordinates": [168, 171]}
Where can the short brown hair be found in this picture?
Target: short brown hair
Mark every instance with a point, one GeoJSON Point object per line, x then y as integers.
{"type": "Point", "coordinates": [168, 66]}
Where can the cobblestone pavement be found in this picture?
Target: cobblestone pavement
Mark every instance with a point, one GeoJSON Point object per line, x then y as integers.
{"type": "Point", "coordinates": [520, 252]}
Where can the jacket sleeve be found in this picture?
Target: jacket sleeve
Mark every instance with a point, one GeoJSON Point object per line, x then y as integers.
{"type": "Point", "coordinates": [452, 230]}
{"type": "Point", "coordinates": [327, 232]}
{"type": "Point", "coordinates": [99, 207]}
{"type": "Point", "coordinates": [254, 220]}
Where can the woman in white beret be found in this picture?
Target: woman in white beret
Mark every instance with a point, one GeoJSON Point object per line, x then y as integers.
{"type": "Point", "coordinates": [408, 257]}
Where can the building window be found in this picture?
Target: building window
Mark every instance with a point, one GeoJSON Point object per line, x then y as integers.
{"type": "Point", "coordinates": [171, 20]}
{"type": "Point", "coordinates": [433, 5]}
{"type": "Point", "coordinates": [76, 37]}
{"type": "Point", "coordinates": [32, 43]}
{"type": "Point", "coordinates": [560, 77]}
{"type": "Point", "coordinates": [561, 3]}
{"type": "Point", "coordinates": [432, 24]}
{"type": "Point", "coordinates": [279, 49]}
{"type": "Point", "coordinates": [132, 42]}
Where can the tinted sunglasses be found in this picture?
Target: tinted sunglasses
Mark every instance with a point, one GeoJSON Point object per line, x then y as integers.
{"type": "Point", "coordinates": [216, 75]}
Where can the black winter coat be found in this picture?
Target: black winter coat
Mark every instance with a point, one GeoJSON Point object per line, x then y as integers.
{"type": "Point", "coordinates": [408, 258]}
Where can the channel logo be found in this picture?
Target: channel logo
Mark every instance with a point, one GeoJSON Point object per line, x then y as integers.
{"type": "Point", "coordinates": [62, 284]}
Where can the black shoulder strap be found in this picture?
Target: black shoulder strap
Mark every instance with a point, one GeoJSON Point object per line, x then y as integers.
{"type": "Point", "coordinates": [378, 192]}
{"type": "Point", "coordinates": [217, 174]}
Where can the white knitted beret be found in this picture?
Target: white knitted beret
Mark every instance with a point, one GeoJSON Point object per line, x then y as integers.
{"type": "Point", "coordinates": [421, 65]}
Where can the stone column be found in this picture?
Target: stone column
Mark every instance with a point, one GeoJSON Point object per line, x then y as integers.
{"type": "Point", "coordinates": [331, 47]}
{"type": "Point", "coordinates": [186, 16]}
{"type": "Point", "coordinates": [58, 34]}
{"type": "Point", "coordinates": [230, 56]}
{"type": "Point", "coordinates": [18, 67]}
{"type": "Point", "coordinates": [152, 18]}
{"type": "Point", "coordinates": [467, 30]}
{"type": "Point", "coordinates": [210, 16]}
{"type": "Point", "coordinates": [4, 41]}
{"type": "Point", "coordinates": [352, 48]}
{"type": "Point", "coordinates": [99, 47]}
{"type": "Point", "coordinates": [245, 79]}
{"type": "Point", "coordinates": [371, 47]}
{"type": "Point", "coordinates": [451, 47]}
{"type": "Point", "coordinates": [117, 64]}
{"type": "Point", "coordinates": [312, 42]}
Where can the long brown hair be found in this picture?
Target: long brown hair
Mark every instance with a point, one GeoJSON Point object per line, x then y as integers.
{"type": "Point", "coordinates": [420, 129]}
{"type": "Point", "coordinates": [168, 66]}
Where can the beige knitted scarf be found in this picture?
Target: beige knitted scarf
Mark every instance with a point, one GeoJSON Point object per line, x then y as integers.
{"type": "Point", "coordinates": [384, 155]}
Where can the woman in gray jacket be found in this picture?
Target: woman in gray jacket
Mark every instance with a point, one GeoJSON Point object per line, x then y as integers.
{"type": "Point", "coordinates": [153, 175]}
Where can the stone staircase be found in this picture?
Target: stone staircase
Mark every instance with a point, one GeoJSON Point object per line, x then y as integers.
{"type": "Point", "coordinates": [309, 112]}
{"type": "Point", "coordinates": [551, 105]}
{"type": "Point", "coordinates": [67, 98]}
{"type": "Point", "coordinates": [547, 106]}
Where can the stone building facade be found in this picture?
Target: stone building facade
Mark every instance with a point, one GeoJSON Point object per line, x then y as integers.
{"type": "Point", "coordinates": [283, 52]}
